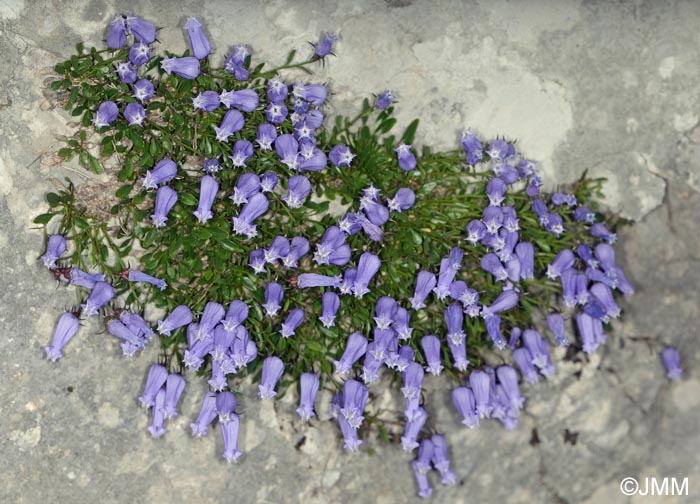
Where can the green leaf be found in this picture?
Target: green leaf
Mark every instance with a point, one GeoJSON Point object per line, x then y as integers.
{"type": "Point", "coordinates": [53, 199]}
{"type": "Point", "coordinates": [188, 199]}
{"type": "Point", "coordinates": [410, 133]}
{"type": "Point", "coordinates": [43, 218]}
{"type": "Point", "coordinates": [123, 191]}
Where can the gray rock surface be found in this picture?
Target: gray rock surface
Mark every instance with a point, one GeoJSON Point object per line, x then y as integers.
{"type": "Point", "coordinates": [609, 88]}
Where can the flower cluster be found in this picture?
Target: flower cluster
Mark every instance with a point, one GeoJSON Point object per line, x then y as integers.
{"type": "Point", "coordinates": [418, 272]}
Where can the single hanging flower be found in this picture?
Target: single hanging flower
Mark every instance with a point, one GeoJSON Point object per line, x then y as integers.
{"type": "Point", "coordinates": [298, 190]}
{"type": "Point", "coordinates": [66, 327]}
{"type": "Point", "coordinates": [187, 67]}
{"type": "Point", "coordinates": [55, 248]}
{"type": "Point", "coordinates": [102, 293]}
{"type": "Point", "coordinates": [163, 172]}
{"type": "Point", "coordinates": [106, 113]}
{"type": "Point", "coordinates": [142, 30]}
{"type": "Point", "coordinates": [256, 206]}
{"type": "Point", "coordinates": [139, 276]}
{"type": "Point", "coordinates": [116, 33]}
{"type": "Point", "coordinates": [135, 114]}
{"type": "Point", "coordinates": [174, 387]}
{"type": "Point", "coordinates": [523, 359]}
{"type": "Point", "coordinates": [384, 100]}
{"type": "Point", "coordinates": [412, 430]}
{"type": "Point", "coordinates": [431, 349]}
{"type": "Point", "coordinates": [355, 348]}
{"type": "Point", "coordinates": [139, 54]}
{"type": "Point", "coordinates": [242, 152]}
{"type": "Point", "coordinates": [330, 302]}
{"type": "Point", "coordinates": [272, 370]}
{"type": "Point", "coordinates": [556, 324]}
{"type": "Point", "coordinates": [156, 428]}
{"type": "Point", "coordinates": [341, 156]}
{"type": "Point", "coordinates": [273, 299]}
{"type": "Point", "coordinates": [207, 414]}
{"type": "Point", "coordinates": [406, 159]}
{"type": "Point", "coordinates": [207, 101]}
{"type": "Point", "coordinates": [292, 322]}
{"type": "Point", "coordinates": [425, 283]}
{"type": "Point", "coordinates": [672, 362]}
{"type": "Point", "coordinates": [245, 100]}
{"type": "Point", "coordinates": [179, 317]}
{"type": "Point", "coordinates": [207, 192]}
{"type": "Point", "coordinates": [465, 403]}
{"type": "Point", "coordinates": [308, 384]}
{"type": "Point", "coordinates": [229, 433]}
{"type": "Point", "coordinates": [324, 46]}
{"type": "Point", "coordinates": [198, 40]}
{"type": "Point", "coordinates": [143, 90]}
{"type": "Point", "coordinates": [421, 467]}
{"type": "Point", "coordinates": [367, 267]}
{"type": "Point", "coordinates": [165, 201]}
{"type": "Point", "coordinates": [232, 122]}
{"type": "Point", "coordinates": [157, 376]}
{"type": "Point", "coordinates": [247, 186]}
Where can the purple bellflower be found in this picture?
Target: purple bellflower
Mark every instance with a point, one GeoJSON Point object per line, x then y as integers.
{"type": "Point", "coordinates": [272, 370]}
{"type": "Point", "coordinates": [257, 261]}
{"type": "Point", "coordinates": [273, 299]}
{"type": "Point", "coordinates": [231, 123]}
{"type": "Point", "coordinates": [245, 100]}
{"type": "Point", "coordinates": [308, 384]}
{"type": "Point", "coordinates": [385, 310]}
{"type": "Point", "coordinates": [102, 293]}
{"type": "Point", "coordinates": [292, 322]}
{"type": "Point", "coordinates": [412, 430]}
{"type": "Point", "coordinates": [584, 323]}
{"type": "Point", "coordinates": [207, 414]}
{"type": "Point", "coordinates": [465, 404]}
{"type": "Point", "coordinates": [179, 317]}
{"type": "Point", "coordinates": [143, 90]}
{"type": "Point", "coordinates": [324, 46]}
{"type": "Point", "coordinates": [139, 54]}
{"type": "Point", "coordinates": [211, 316]}
{"type": "Point", "coordinates": [126, 72]}
{"type": "Point", "coordinates": [539, 349]}
{"type": "Point", "coordinates": [247, 186]}
{"type": "Point", "coordinates": [279, 248]}
{"type": "Point", "coordinates": [523, 359]}
{"type": "Point", "coordinates": [600, 231]}
{"type": "Point", "coordinates": [142, 30]}
{"type": "Point", "coordinates": [480, 384]}
{"type": "Point", "coordinates": [207, 101]}
{"type": "Point", "coordinates": [556, 324]}
{"type": "Point", "coordinates": [367, 267]}
{"type": "Point", "coordinates": [66, 327]}
{"type": "Point", "coordinates": [156, 428]}
{"type": "Point", "coordinates": [165, 200]}
{"type": "Point", "coordinates": [242, 152]}
{"type": "Point", "coordinates": [406, 159]}
{"type": "Point", "coordinates": [355, 397]}
{"type": "Point", "coordinates": [402, 200]}
{"type": "Point", "coordinates": [298, 190]}
{"type": "Point", "coordinates": [672, 362]}
{"type": "Point", "coordinates": [256, 206]}
{"type": "Point", "coordinates": [106, 113]}
{"type": "Point", "coordinates": [330, 303]}
{"type": "Point", "coordinates": [55, 247]}
{"type": "Point", "coordinates": [139, 276]}
{"type": "Point", "coordinates": [299, 247]}
{"type": "Point", "coordinates": [135, 114]}
{"type": "Point", "coordinates": [355, 347]}
{"type": "Point", "coordinates": [384, 100]}
{"type": "Point", "coordinates": [493, 328]}
{"type": "Point", "coordinates": [174, 387]}
{"type": "Point", "coordinates": [431, 349]}
{"type": "Point", "coordinates": [267, 134]}
{"type": "Point", "coordinates": [156, 378]}
{"type": "Point", "coordinates": [207, 192]}
{"type": "Point", "coordinates": [402, 323]}
{"type": "Point", "coordinates": [163, 172]}
{"type": "Point", "coordinates": [505, 301]}
{"type": "Point", "coordinates": [268, 181]}
{"type": "Point", "coordinates": [187, 67]}
{"type": "Point", "coordinates": [425, 283]}
{"type": "Point", "coordinates": [341, 156]}
{"type": "Point", "coordinates": [198, 40]}
{"type": "Point", "coordinates": [236, 314]}
{"type": "Point", "coordinates": [229, 433]}
{"type": "Point", "coordinates": [116, 33]}
{"type": "Point", "coordinates": [562, 262]}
